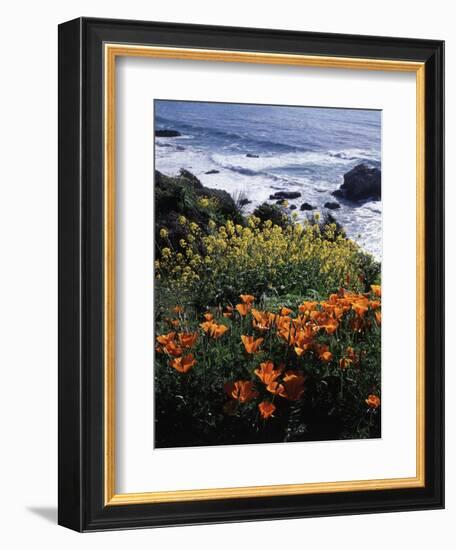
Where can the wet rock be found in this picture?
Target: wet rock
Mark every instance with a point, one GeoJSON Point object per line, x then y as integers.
{"type": "Point", "coordinates": [332, 205]}
{"type": "Point", "coordinates": [167, 133]}
{"type": "Point", "coordinates": [252, 156]}
{"type": "Point", "coordinates": [307, 206]}
{"type": "Point", "coordinates": [212, 172]}
{"type": "Point", "coordinates": [293, 207]}
{"type": "Point", "coordinates": [285, 195]}
{"type": "Point", "coordinates": [361, 183]}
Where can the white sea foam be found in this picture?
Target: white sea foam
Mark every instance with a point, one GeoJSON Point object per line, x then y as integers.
{"type": "Point", "coordinates": [258, 178]}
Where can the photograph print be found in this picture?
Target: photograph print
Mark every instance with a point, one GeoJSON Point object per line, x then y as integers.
{"type": "Point", "coordinates": [268, 251]}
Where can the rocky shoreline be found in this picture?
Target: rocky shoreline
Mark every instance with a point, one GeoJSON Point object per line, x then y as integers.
{"type": "Point", "coordinates": [351, 201]}
{"type": "Point", "coordinates": [360, 184]}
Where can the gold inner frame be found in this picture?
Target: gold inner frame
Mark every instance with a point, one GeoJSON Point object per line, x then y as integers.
{"type": "Point", "coordinates": [111, 52]}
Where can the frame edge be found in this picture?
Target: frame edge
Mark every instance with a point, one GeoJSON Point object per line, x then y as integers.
{"type": "Point", "coordinates": [70, 476]}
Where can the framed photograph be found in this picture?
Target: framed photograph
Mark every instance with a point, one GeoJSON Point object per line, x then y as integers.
{"type": "Point", "coordinates": [251, 313]}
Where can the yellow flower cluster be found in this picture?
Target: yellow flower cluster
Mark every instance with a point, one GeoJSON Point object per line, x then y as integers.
{"type": "Point", "coordinates": [211, 203]}
{"type": "Point", "coordinates": [262, 249]}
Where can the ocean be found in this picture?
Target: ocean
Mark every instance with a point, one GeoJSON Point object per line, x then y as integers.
{"type": "Point", "coordinates": [305, 149]}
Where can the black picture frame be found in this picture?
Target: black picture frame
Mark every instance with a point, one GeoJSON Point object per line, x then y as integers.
{"type": "Point", "coordinates": [81, 398]}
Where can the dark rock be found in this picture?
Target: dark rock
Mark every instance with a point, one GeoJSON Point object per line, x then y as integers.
{"type": "Point", "coordinates": [179, 195]}
{"type": "Point", "coordinates": [190, 179]}
{"type": "Point", "coordinates": [293, 207]}
{"type": "Point", "coordinates": [272, 212]}
{"type": "Point", "coordinates": [285, 195]}
{"type": "Point", "coordinates": [281, 202]}
{"type": "Point", "coordinates": [307, 206]}
{"type": "Point", "coordinates": [180, 148]}
{"type": "Point", "coordinates": [212, 172]}
{"type": "Point", "coordinates": [332, 205]}
{"type": "Point", "coordinates": [167, 133]}
{"type": "Point", "coordinates": [361, 183]}
{"type": "Point", "coordinates": [243, 202]}
{"type": "Point", "coordinates": [252, 156]}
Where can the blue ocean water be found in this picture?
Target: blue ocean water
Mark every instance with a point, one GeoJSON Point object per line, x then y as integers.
{"type": "Point", "coordinates": [306, 149]}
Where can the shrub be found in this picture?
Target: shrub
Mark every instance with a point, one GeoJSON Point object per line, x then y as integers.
{"type": "Point", "coordinates": [272, 212]}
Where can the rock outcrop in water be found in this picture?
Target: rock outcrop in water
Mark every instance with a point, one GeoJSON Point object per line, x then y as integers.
{"type": "Point", "coordinates": [360, 184]}
{"type": "Point", "coordinates": [285, 195]}
{"type": "Point", "coordinates": [332, 205]}
{"type": "Point", "coordinates": [167, 133]}
{"type": "Point", "coordinates": [307, 206]}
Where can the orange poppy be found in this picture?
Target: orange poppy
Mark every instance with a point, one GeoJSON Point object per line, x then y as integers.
{"type": "Point", "coordinates": [183, 364]}
{"type": "Point", "coordinates": [208, 316]}
{"type": "Point", "coordinates": [287, 335]}
{"type": "Point", "coordinates": [241, 390]}
{"type": "Point", "coordinates": [323, 352]}
{"type": "Point", "coordinates": [266, 409]}
{"type": "Point", "coordinates": [213, 329]}
{"type": "Point", "coordinates": [178, 309]}
{"type": "Point", "coordinates": [188, 339]}
{"type": "Point", "coordinates": [172, 349]}
{"type": "Point", "coordinates": [316, 315]}
{"type": "Point", "coordinates": [247, 298]}
{"type": "Point", "coordinates": [330, 325]}
{"type": "Point", "coordinates": [286, 311]}
{"type": "Point", "coordinates": [267, 373]}
{"type": "Point", "coordinates": [262, 320]}
{"type": "Point", "coordinates": [303, 343]}
{"type": "Point", "coordinates": [163, 339]}
{"type": "Point", "coordinates": [376, 289]}
{"type": "Point", "coordinates": [291, 387]}
{"type": "Point", "coordinates": [360, 307]}
{"type": "Point", "coordinates": [345, 362]}
{"type": "Point", "coordinates": [373, 401]}
{"type": "Point", "coordinates": [217, 331]}
{"type": "Point", "coordinates": [307, 307]}
{"type": "Point", "coordinates": [251, 345]}
{"type": "Point", "coordinates": [175, 322]}
{"type": "Point", "coordinates": [378, 317]}
{"type": "Point", "coordinates": [206, 326]}
{"type": "Point", "coordinates": [243, 309]}
{"type": "Point", "coordinates": [303, 338]}
{"type": "Point", "coordinates": [338, 311]}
